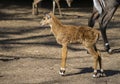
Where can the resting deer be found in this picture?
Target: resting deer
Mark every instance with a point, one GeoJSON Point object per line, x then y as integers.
{"type": "Point", "coordinates": [66, 34]}
{"type": "Point", "coordinates": [35, 6]}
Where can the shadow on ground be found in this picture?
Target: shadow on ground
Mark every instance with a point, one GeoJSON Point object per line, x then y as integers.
{"type": "Point", "coordinates": [90, 70]}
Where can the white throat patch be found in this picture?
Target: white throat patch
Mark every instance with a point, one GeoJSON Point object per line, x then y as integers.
{"type": "Point", "coordinates": [51, 26]}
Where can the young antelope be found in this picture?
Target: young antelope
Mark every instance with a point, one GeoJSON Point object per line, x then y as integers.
{"type": "Point", "coordinates": [66, 34]}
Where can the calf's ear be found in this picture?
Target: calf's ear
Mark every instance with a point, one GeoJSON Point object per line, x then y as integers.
{"type": "Point", "coordinates": [48, 16]}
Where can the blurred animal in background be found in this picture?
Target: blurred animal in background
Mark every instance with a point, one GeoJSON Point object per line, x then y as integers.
{"type": "Point", "coordinates": [35, 6]}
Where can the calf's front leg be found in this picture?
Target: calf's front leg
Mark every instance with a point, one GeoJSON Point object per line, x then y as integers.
{"type": "Point", "coordinates": [63, 61]}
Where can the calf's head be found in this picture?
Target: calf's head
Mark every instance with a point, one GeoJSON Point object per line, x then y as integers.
{"type": "Point", "coordinates": [46, 20]}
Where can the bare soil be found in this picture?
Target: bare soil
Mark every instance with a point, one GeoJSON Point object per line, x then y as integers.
{"type": "Point", "coordinates": [29, 52]}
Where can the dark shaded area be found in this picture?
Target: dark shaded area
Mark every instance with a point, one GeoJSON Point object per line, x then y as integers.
{"type": "Point", "coordinates": [6, 16]}
{"type": "Point", "coordinates": [6, 59]}
{"type": "Point", "coordinates": [82, 71]}
{"type": "Point", "coordinates": [116, 51]}
{"type": "Point", "coordinates": [112, 72]}
{"type": "Point", "coordinates": [5, 3]}
{"type": "Point", "coordinates": [45, 3]}
{"type": "Point", "coordinates": [90, 70]}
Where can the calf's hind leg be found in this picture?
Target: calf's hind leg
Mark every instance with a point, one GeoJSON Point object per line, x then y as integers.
{"type": "Point", "coordinates": [97, 59]}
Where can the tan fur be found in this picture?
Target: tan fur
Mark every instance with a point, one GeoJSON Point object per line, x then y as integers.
{"type": "Point", "coordinates": [66, 34]}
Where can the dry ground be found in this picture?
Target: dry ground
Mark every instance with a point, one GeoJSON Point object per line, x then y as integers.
{"type": "Point", "coordinates": [29, 53]}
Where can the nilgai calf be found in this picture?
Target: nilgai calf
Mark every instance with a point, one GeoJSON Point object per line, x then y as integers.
{"type": "Point", "coordinates": [66, 34]}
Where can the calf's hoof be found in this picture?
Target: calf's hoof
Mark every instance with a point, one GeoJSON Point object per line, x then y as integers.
{"type": "Point", "coordinates": [62, 72]}
{"type": "Point", "coordinates": [95, 75]}
{"type": "Point", "coordinates": [102, 74]}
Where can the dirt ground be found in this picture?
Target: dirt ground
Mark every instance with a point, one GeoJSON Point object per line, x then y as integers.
{"type": "Point", "coordinates": [29, 53]}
